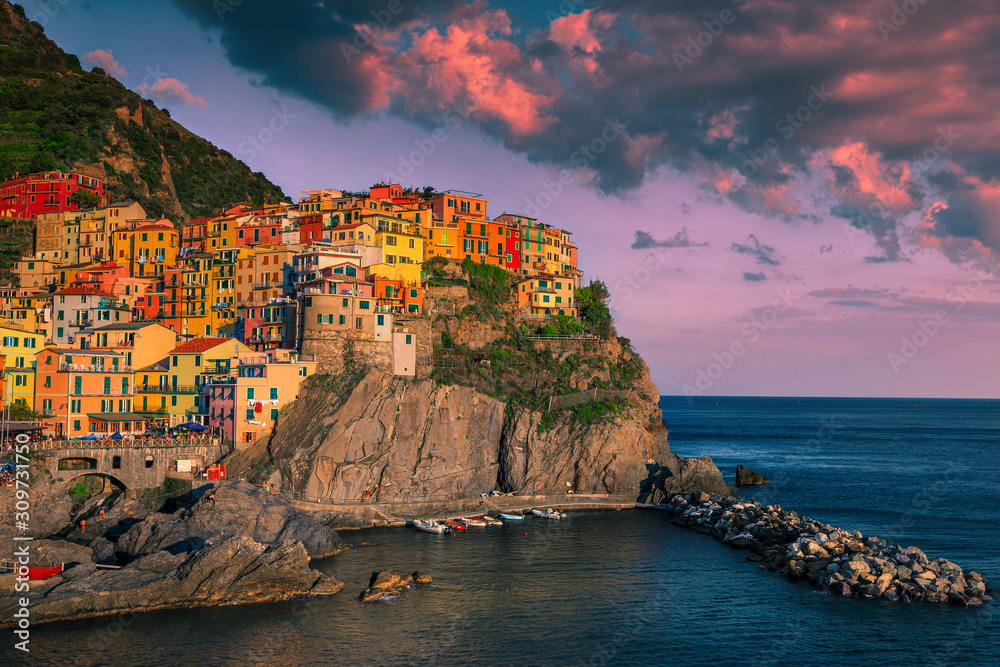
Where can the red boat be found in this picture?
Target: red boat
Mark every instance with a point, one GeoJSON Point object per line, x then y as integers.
{"type": "Point", "coordinates": [454, 525]}
{"type": "Point", "coordinates": [40, 573]}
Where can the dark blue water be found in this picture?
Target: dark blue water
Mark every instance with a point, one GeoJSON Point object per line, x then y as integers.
{"type": "Point", "coordinates": [627, 587]}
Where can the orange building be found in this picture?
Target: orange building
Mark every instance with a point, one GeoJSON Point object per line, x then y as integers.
{"type": "Point", "coordinates": [79, 392]}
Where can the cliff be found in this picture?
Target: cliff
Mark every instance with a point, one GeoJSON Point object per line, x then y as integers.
{"type": "Point", "coordinates": [479, 421]}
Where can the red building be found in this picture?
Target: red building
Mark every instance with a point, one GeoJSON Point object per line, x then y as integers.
{"type": "Point", "coordinates": [48, 192]}
{"type": "Point", "coordinates": [311, 229]}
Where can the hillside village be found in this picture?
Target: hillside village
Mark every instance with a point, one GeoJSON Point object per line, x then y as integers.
{"type": "Point", "coordinates": [119, 323]}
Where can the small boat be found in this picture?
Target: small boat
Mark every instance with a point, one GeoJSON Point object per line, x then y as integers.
{"type": "Point", "coordinates": [548, 514]}
{"type": "Point", "coordinates": [473, 522]}
{"type": "Point", "coordinates": [430, 526]}
{"type": "Point", "coordinates": [490, 520]}
{"type": "Point", "coordinates": [454, 525]}
{"type": "Point", "coordinates": [511, 517]}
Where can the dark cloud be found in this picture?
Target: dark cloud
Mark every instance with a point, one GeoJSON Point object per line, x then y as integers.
{"type": "Point", "coordinates": [754, 277]}
{"type": "Point", "coordinates": [764, 254]}
{"type": "Point", "coordinates": [846, 293]}
{"type": "Point", "coordinates": [823, 249]}
{"type": "Point", "coordinates": [614, 92]}
{"type": "Point", "coordinates": [854, 303]}
{"type": "Point", "coordinates": [679, 240]}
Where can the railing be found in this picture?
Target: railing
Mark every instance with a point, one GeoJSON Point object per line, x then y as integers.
{"type": "Point", "coordinates": [111, 392]}
{"type": "Point", "coordinates": [88, 368]}
{"type": "Point", "coordinates": [129, 441]}
{"type": "Point", "coordinates": [168, 389]}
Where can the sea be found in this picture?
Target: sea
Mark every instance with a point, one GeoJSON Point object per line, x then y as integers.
{"type": "Point", "coordinates": [629, 588]}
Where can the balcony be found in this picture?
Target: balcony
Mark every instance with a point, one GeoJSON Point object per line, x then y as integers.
{"type": "Point", "coordinates": [547, 290]}
{"type": "Point", "coordinates": [110, 392]}
{"type": "Point", "coordinates": [88, 368]}
{"type": "Point", "coordinates": [167, 389]}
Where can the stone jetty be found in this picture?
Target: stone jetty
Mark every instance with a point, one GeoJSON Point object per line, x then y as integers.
{"type": "Point", "coordinates": [843, 562]}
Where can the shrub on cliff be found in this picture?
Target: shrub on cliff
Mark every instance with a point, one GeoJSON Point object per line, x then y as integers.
{"type": "Point", "coordinates": [592, 305]}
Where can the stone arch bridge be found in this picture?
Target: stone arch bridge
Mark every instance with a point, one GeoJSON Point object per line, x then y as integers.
{"type": "Point", "coordinates": [135, 466]}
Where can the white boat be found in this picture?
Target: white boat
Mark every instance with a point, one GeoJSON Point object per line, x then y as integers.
{"type": "Point", "coordinates": [548, 514]}
{"type": "Point", "coordinates": [473, 522]}
{"type": "Point", "coordinates": [490, 521]}
{"type": "Point", "coordinates": [431, 526]}
{"type": "Point", "coordinates": [511, 517]}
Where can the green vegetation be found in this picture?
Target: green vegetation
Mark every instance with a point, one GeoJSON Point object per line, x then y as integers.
{"type": "Point", "coordinates": [20, 411]}
{"type": "Point", "coordinates": [592, 305]}
{"type": "Point", "coordinates": [15, 242]}
{"type": "Point", "coordinates": [85, 199]}
{"type": "Point", "coordinates": [55, 116]}
{"type": "Point", "coordinates": [84, 489]}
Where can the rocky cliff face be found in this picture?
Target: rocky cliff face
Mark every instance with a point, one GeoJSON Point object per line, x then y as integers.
{"type": "Point", "coordinates": [401, 440]}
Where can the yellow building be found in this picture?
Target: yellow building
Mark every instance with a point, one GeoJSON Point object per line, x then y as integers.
{"type": "Point", "coordinates": [32, 314]}
{"type": "Point", "coordinates": [19, 349]}
{"type": "Point", "coordinates": [32, 272]}
{"type": "Point", "coordinates": [196, 294]}
{"type": "Point", "coordinates": [402, 250]}
{"type": "Point", "coordinates": [189, 367]}
{"type": "Point", "coordinates": [141, 343]}
{"type": "Point", "coordinates": [147, 248]}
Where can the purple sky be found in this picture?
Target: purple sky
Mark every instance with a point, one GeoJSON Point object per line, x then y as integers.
{"type": "Point", "coordinates": [855, 257]}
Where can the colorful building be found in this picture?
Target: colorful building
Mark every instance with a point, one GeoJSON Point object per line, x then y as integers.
{"type": "Point", "coordinates": [545, 294]}
{"type": "Point", "coordinates": [79, 392]}
{"type": "Point", "coordinates": [18, 349]}
{"type": "Point", "coordinates": [28, 196]}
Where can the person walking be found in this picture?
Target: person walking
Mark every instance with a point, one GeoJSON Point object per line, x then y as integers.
{"type": "Point", "coordinates": [83, 526]}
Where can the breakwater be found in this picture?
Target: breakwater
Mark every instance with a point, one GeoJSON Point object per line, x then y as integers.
{"type": "Point", "coordinates": [839, 561]}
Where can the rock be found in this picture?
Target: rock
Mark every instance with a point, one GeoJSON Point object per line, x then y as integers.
{"type": "Point", "coordinates": [890, 595]}
{"type": "Point", "coordinates": [755, 558]}
{"type": "Point", "coordinates": [237, 570]}
{"type": "Point", "coordinates": [853, 569]}
{"type": "Point", "coordinates": [240, 509]}
{"type": "Point", "coordinates": [103, 551]}
{"type": "Point", "coordinates": [916, 554]}
{"type": "Point", "coordinates": [59, 552]}
{"type": "Point", "coordinates": [698, 497]}
{"type": "Point", "coordinates": [388, 584]}
{"type": "Point", "coordinates": [747, 477]}
{"type": "Point", "coordinates": [974, 576]}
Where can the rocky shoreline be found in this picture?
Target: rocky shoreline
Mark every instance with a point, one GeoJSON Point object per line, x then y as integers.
{"type": "Point", "coordinates": [842, 562]}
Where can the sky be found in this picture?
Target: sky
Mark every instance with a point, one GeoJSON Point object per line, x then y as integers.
{"type": "Point", "coordinates": [784, 197]}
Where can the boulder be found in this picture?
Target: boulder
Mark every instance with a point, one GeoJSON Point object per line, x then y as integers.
{"type": "Point", "coordinates": [237, 570]}
{"type": "Point", "coordinates": [388, 584]}
{"type": "Point", "coordinates": [747, 477]}
{"type": "Point", "coordinates": [239, 509]}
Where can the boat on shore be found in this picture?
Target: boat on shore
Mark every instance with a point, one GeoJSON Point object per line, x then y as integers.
{"type": "Point", "coordinates": [473, 522]}
{"type": "Point", "coordinates": [511, 517]}
{"type": "Point", "coordinates": [548, 514]}
{"type": "Point", "coordinates": [430, 526]}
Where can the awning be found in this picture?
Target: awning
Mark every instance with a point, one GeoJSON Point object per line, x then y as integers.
{"type": "Point", "coordinates": [117, 417]}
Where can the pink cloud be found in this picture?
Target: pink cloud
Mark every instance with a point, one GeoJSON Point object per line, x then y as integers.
{"type": "Point", "coordinates": [106, 61]}
{"type": "Point", "coordinates": [173, 90]}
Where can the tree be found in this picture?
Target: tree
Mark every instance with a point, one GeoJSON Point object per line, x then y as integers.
{"type": "Point", "coordinates": [85, 199]}
{"type": "Point", "coordinates": [20, 411]}
{"type": "Point", "coordinates": [591, 303]}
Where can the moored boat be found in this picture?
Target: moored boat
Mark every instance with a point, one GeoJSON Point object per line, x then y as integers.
{"type": "Point", "coordinates": [511, 517]}
{"type": "Point", "coordinates": [454, 525]}
{"type": "Point", "coordinates": [430, 526]}
{"type": "Point", "coordinates": [473, 522]}
{"type": "Point", "coordinates": [490, 520]}
{"type": "Point", "coordinates": [548, 514]}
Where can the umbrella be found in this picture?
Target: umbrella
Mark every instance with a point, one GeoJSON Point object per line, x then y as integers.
{"type": "Point", "coordinates": [89, 437]}
{"type": "Point", "coordinates": [116, 436]}
{"type": "Point", "coordinates": [193, 426]}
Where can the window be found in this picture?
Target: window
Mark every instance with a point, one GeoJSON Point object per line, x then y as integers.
{"type": "Point", "coordinates": [363, 305]}
{"type": "Point", "coordinates": [357, 323]}
{"type": "Point", "coordinates": [413, 293]}
{"type": "Point", "coordinates": [545, 298]}
{"type": "Point", "coordinates": [413, 244]}
{"type": "Point", "coordinates": [409, 339]}
{"type": "Point", "coordinates": [48, 380]}
{"type": "Point", "coordinates": [116, 462]}
{"type": "Point", "coordinates": [173, 400]}
{"type": "Point", "coordinates": [343, 320]}
{"type": "Point", "coordinates": [381, 320]}
{"type": "Point", "coordinates": [149, 461]}
{"type": "Point", "coordinates": [273, 393]}
{"type": "Point", "coordinates": [197, 360]}
{"type": "Point", "coordinates": [173, 361]}
{"type": "Point", "coordinates": [249, 414]}
{"type": "Point", "coordinates": [76, 426]}
{"type": "Point", "coordinates": [249, 393]}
